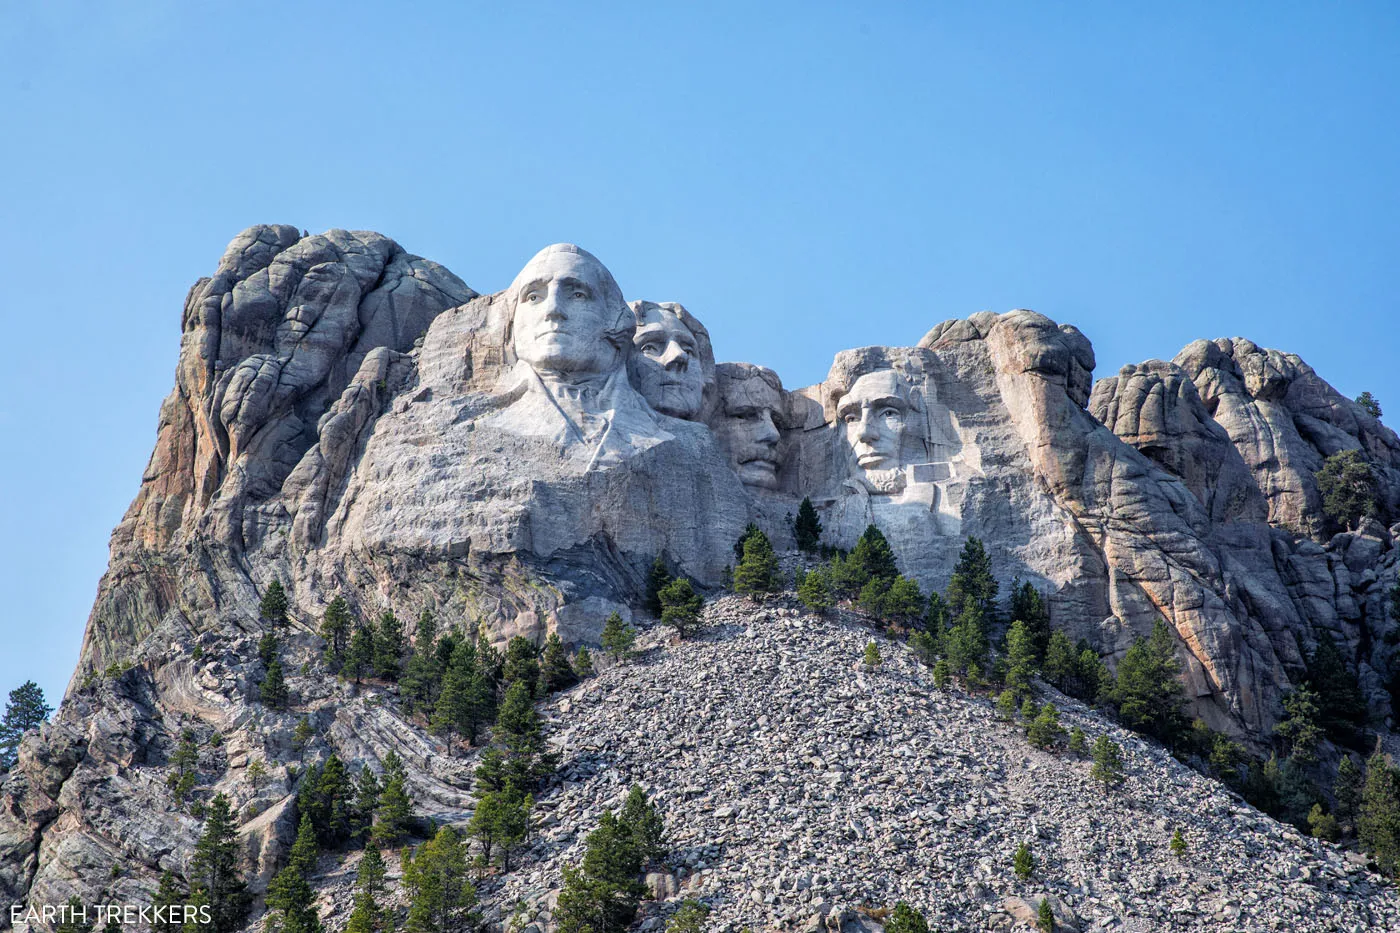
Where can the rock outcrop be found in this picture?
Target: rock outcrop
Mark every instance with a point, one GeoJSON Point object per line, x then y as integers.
{"type": "Point", "coordinates": [352, 420]}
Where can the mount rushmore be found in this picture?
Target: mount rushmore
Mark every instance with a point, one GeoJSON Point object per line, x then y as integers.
{"type": "Point", "coordinates": [351, 419]}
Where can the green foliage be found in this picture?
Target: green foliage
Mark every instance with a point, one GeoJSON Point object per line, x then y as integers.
{"type": "Point", "coordinates": [1368, 403]}
{"type": "Point", "coordinates": [657, 579]}
{"type": "Point", "coordinates": [327, 797]}
{"type": "Point", "coordinates": [257, 772]}
{"type": "Point", "coordinates": [618, 638]}
{"type": "Point", "coordinates": [74, 918]}
{"type": "Point", "coordinates": [750, 531]}
{"type": "Point", "coordinates": [1148, 692]}
{"type": "Point", "coordinates": [1006, 705]}
{"type": "Point", "coordinates": [892, 599]}
{"type": "Point", "coordinates": [522, 664]}
{"type": "Point", "coordinates": [1341, 705]}
{"type": "Point", "coordinates": [906, 919]}
{"type": "Point", "coordinates": [302, 735]}
{"type": "Point", "coordinates": [873, 555]}
{"type": "Point", "coordinates": [556, 673]}
{"type": "Point", "coordinates": [1323, 825]}
{"type": "Point", "coordinates": [367, 793]}
{"type": "Point", "coordinates": [466, 701]}
{"type": "Point", "coordinates": [24, 710]}
{"type": "Point", "coordinates": [1178, 844]}
{"type": "Point", "coordinates": [941, 673]}
{"type": "Point", "coordinates": [359, 657]}
{"type": "Point", "coordinates": [1378, 814]}
{"type": "Point", "coordinates": [583, 663]}
{"type": "Point", "coordinates": [441, 899]}
{"type": "Point", "coordinates": [690, 916]}
{"type": "Point", "coordinates": [602, 893]}
{"type": "Point", "coordinates": [871, 658]}
{"type": "Point", "coordinates": [1078, 742]}
{"type": "Point", "coordinates": [846, 577]}
{"type": "Point", "coordinates": [1108, 763]}
{"type": "Point", "coordinates": [170, 896]}
{"type": "Point", "coordinates": [367, 915]}
{"type": "Point", "coordinates": [1023, 861]}
{"type": "Point", "coordinates": [924, 646]}
{"type": "Point", "coordinates": [966, 642]}
{"type": "Point", "coordinates": [184, 762]}
{"type": "Point", "coordinates": [273, 606]}
{"type": "Point", "coordinates": [395, 807]}
{"type": "Point", "coordinates": [681, 605]}
{"type": "Point", "coordinates": [1045, 916]}
{"type": "Point", "coordinates": [291, 904]}
{"type": "Point", "coordinates": [335, 629]}
{"type": "Point", "coordinates": [1299, 728]}
{"type": "Point", "coordinates": [1028, 606]}
{"type": "Point", "coordinates": [645, 825]}
{"type": "Point", "coordinates": [273, 689]}
{"type": "Point", "coordinates": [1348, 788]}
{"type": "Point", "coordinates": [757, 572]}
{"type": "Point", "coordinates": [1045, 731]}
{"type": "Point", "coordinates": [1348, 487]}
{"type": "Point", "coordinates": [389, 646]}
{"type": "Point", "coordinates": [267, 648]}
{"type": "Point", "coordinates": [972, 581]}
{"type": "Point", "coordinates": [214, 873]}
{"type": "Point", "coordinates": [501, 821]}
{"type": "Point", "coordinates": [814, 591]}
{"type": "Point", "coordinates": [1020, 658]}
{"type": "Point", "coordinates": [807, 529]}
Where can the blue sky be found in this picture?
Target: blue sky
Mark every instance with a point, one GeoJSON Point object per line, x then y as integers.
{"type": "Point", "coordinates": [804, 177]}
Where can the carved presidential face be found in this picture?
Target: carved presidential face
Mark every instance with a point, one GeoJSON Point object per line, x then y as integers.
{"type": "Point", "coordinates": [666, 364]}
{"type": "Point", "coordinates": [874, 417]}
{"type": "Point", "coordinates": [567, 313]}
{"type": "Point", "coordinates": [749, 428]}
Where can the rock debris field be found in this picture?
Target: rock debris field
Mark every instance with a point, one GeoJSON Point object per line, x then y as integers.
{"type": "Point", "coordinates": [802, 792]}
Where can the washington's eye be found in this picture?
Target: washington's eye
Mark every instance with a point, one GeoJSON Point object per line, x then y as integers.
{"type": "Point", "coordinates": [533, 296]}
{"type": "Point", "coordinates": [651, 349]}
{"type": "Point", "coordinates": [580, 293]}
{"type": "Point", "coordinates": [890, 413]}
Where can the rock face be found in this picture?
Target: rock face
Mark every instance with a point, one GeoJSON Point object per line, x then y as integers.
{"type": "Point", "coordinates": [352, 420]}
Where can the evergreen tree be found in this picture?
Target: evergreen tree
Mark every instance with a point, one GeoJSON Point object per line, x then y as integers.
{"type": "Point", "coordinates": [467, 698]}
{"type": "Point", "coordinates": [814, 592]}
{"type": "Point", "coordinates": [1028, 606]}
{"type": "Point", "coordinates": [1378, 815]}
{"type": "Point", "coordinates": [273, 607]}
{"type": "Point", "coordinates": [1006, 705]}
{"type": "Point", "coordinates": [1045, 731]}
{"type": "Point", "coordinates": [757, 572]}
{"type": "Point", "coordinates": [267, 648]}
{"type": "Point", "coordinates": [583, 662]}
{"type": "Point", "coordinates": [1023, 861]}
{"type": "Point", "coordinates": [892, 599]}
{"type": "Point", "coordinates": [681, 605]}
{"type": "Point", "coordinates": [1078, 742]}
{"type": "Point", "coordinates": [1094, 676]}
{"type": "Point", "coordinates": [941, 673]}
{"type": "Point", "coordinates": [846, 577]}
{"type": "Point", "coordinates": [966, 642]}
{"type": "Point", "coordinates": [1323, 825]}
{"type": "Point", "coordinates": [1348, 487]}
{"type": "Point", "coordinates": [750, 530]}
{"type": "Point", "coordinates": [395, 809]}
{"type": "Point", "coordinates": [1368, 403]}
{"type": "Point", "coordinates": [1348, 788]}
{"type": "Point", "coordinates": [214, 869]}
{"type": "Point", "coordinates": [923, 646]}
{"type": "Point", "coordinates": [644, 824]}
{"type": "Point", "coordinates": [1148, 693]}
{"type": "Point", "coordinates": [522, 664]}
{"type": "Point", "coordinates": [690, 917]}
{"type": "Point", "coordinates": [502, 820]}
{"type": "Point", "coordinates": [906, 919]}
{"type": "Point", "coordinates": [1045, 915]}
{"type": "Point", "coordinates": [602, 894]}
{"type": "Point", "coordinates": [972, 580]}
{"type": "Point", "coordinates": [388, 646]}
{"type": "Point", "coordinates": [335, 629]}
{"type": "Point", "coordinates": [441, 899]}
{"type": "Point", "coordinates": [556, 673]}
{"type": "Point", "coordinates": [618, 638]}
{"type": "Point", "coordinates": [25, 710]}
{"type": "Point", "coordinates": [1061, 666]}
{"type": "Point", "coordinates": [1178, 844]}
{"type": "Point", "coordinates": [872, 658]}
{"type": "Point", "coordinates": [367, 916]}
{"type": "Point", "coordinates": [873, 554]}
{"type": "Point", "coordinates": [489, 661]}
{"type": "Point", "coordinates": [74, 918]}
{"type": "Point", "coordinates": [421, 682]}
{"type": "Point", "coordinates": [1299, 728]}
{"type": "Point", "coordinates": [367, 793]}
{"type": "Point", "coordinates": [658, 578]}
{"type": "Point", "coordinates": [302, 735]}
{"type": "Point", "coordinates": [273, 689]}
{"type": "Point", "coordinates": [291, 904]}
{"type": "Point", "coordinates": [1020, 658]}
{"type": "Point", "coordinates": [327, 798]}
{"type": "Point", "coordinates": [1108, 763]}
{"type": "Point", "coordinates": [1341, 705]}
{"type": "Point", "coordinates": [808, 527]}
{"type": "Point", "coordinates": [184, 763]}
{"type": "Point", "coordinates": [425, 632]}
{"type": "Point", "coordinates": [167, 914]}
{"type": "Point", "coordinates": [359, 657]}
{"type": "Point", "coordinates": [520, 734]}
{"type": "Point", "coordinates": [937, 618]}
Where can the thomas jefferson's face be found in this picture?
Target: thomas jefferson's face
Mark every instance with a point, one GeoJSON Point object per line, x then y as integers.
{"type": "Point", "coordinates": [561, 315]}
{"type": "Point", "coordinates": [665, 366]}
{"type": "Point", "coordinates": [874, 417]}
{"type": "Point", "coordinates": [749, 429]}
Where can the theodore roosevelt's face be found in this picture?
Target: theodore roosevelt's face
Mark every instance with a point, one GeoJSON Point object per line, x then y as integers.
{"type": "Point", "coordinates": [874, 418]}
{"type": "Point", "coordinates": [749, 429]}
{"type": "Point", "coordinates": [665, 365]}
{"type": "Point", "coordinates": [561, 316]}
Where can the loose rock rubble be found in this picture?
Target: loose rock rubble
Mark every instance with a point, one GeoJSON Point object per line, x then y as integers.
{"type": "Point", "coordinates": [802, 792]}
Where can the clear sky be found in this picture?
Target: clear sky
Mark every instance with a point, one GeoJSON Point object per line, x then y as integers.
{"type": "Point", "coordinates": [805, 177]}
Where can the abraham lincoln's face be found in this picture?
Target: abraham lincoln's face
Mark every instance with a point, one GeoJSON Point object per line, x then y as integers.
{"type": "Point", "coordinates": [874, 417]}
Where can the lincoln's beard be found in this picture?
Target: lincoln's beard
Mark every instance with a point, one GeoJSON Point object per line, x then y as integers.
{"type": "Point", "coordinates": [886, 482]}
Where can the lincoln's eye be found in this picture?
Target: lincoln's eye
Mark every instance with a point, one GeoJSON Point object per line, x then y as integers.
{"type": "Point", "coordinates": [580, 293]}
{"type": "Point", "coordinates": [652, 349]}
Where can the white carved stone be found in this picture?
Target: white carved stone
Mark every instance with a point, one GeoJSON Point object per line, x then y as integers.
{"type": "Point", "coordinates": [748, 422]}
{"type": "Point", "coordinates": [671, 362]}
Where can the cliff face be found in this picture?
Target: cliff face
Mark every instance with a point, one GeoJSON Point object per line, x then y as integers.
{"type": "Point", "coordinates": [350, 419]}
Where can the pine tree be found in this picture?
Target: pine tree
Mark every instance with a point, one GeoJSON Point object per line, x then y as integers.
{"type": "Point", "coordinates": [937, 619]}
{"type": "Point", "coordinates": [657, 580]}
{"type": "Point", "coordinates": [167, 907]}
{"type": "Point", "coordinates": [1323, 825]}
{"type": "Point", "coordinates": [814, 592]}
{"type": "Point", "coordinates": [1368, 403]}
{"type": "Point", "coordinates": [1347, 485]}
{"type": "Point", "coordinates": [872, 658]}
{"type": "Point", "coordinates": [906, 919]}
{"type": "Point", "coordinates": [388, 646]}
{"type": "Point", "coordinates": [1023, 861]}
{"type": "Point", "coordinates": [327, 797]}
{"type": "Point", "coordinates": [467, 695]}
{"type": "Point", "coordinates": [690, 917]}
{"type": "Point", "coordinates": [1341, 706]}
{"type": "Point", "coordinates": [291, 903]}
{"type": "Point", "coordinates": [1028, 606]}
{"type": "Point", "coordinates": [273, 689]}
{"type": "Point", "coordinates": [681, 605]}
{"type": "Point", "coordinates": [74, 918]}
{"type": "Point", "coordinates": [1045, 730]}
{"type": "Point", "coordinates": [273, 607]}
{"type": "Point", "coordinates": [750, 530]}
{"type": "Point", "coordinates": [1098, 682]}
{"type": "Point", "coordinates": [522, 664]}
{"type": "Point", "coordinates": [602, 893]}
{"type": "Point", "coordinates": [367, 916]}
{"type": "Point", "coordinates": [972, 580]}
{"type": "Point", "coordinates": [1020, 658]}
{"type": "Point", "coordinates": [757, 572]}
{"type": "Point", "coordinates": [1178, 844]}
{"type": "Point", "coordinates": [520, 734]}
{"type": "Point", "coordinates": [555, 671]}
{"type": "Point", "coordinates": [1006, 704]}
{"type": "Point", "coordinates": [923, 646]}
{"type": "Point", "coordinates": [644, 824]}
{"type": "Point", "coordinates": [966, 643]}
{"type": "Point", "coordinates": [873, 554]}
{"type": "Point", "coordinates": [359, 657]}
{"type": "Point", "coordinates": [335, 629]}
{"type": "Point", "coordinates": [1299, 728]}
{"type": "Point", "coordinates": [1148, 693]}
{"type": "Point", "coordinates": [1078, 742]}
{"type": "Point", "coordinates": [1108, 763]}
{"type": "Point", "coordinates": [184, 763]}
{"type": "Point", "coordinates": [846, 577]}
{"type": "Point", "coordinates": [214, 869]}
{"type": "Point", "coordinates": [25, 710]}
{"type": "Point", "coordinates": [941, 673]}
{"type": "Point", "coordinates": [302, 735]}
{"type": "Point", "coordinates": [367, 793]}
{"type": "Point", "coordinates": [618, 638]}
{"type": "Point", "coordinates": [501, 820]}
{"type": "Point", "coordinates": [441, 899]}
{"type": "Point", "coordinates": [1061, 665]}
{"type": "Point", "coordinates": [1378, 814]}
{"type": "Point", "coordinates": [267, 648]}
{"type": "Point", "coordinates": [1045, 916]}
{"type": "Point", "coordinates": [1348, 788]}
{"type": "Point", "coordinates": [808, 527]}
{"type": "Point", "coordinates": [583, 663]}
{"type": "Point", "coordinates": [395, 809]}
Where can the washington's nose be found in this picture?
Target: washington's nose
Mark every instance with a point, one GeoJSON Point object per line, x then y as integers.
{"type": "Point", "coordinates": [675, 359]}
{"type": "Point", "coordinates": [552, 309]}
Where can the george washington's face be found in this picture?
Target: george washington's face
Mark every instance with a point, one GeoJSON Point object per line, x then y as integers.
{"type": "Point", "coordinates": [665, 365]}
{"type": "Point", "coordinates": [874, 418]}
{"type": "Point", "coordinates": [562, 315]}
